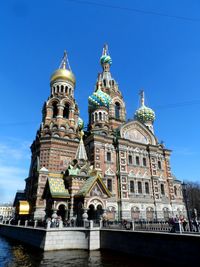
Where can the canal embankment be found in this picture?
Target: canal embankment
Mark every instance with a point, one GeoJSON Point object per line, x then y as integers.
{"type": "Point", "coordinates": [179, 248]}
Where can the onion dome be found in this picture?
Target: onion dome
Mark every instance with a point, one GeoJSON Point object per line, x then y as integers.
{"type": "Point", "coordinates": [144, 114]}
{"type": "Point", "coordinates": [80, 123]}
{"type": "Point", "coordinates": [64, 72]}
{"type": "Point", "coordinates": [99, 99]}
{"type": "Point", "coordinates": [105, 58]}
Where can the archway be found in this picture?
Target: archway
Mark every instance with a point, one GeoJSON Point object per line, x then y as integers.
{"type": "Point", "coordinates": [166, 214]}
{"type": "Point", "coordinates": [91, 212]}
{"type": "Point", "coordinates": [111, 211]}
{"type": "Point", "coordinates": [99, 212]}
{"type": "Point", "coordinates": [62, 211]}
{"type": "Point", "coordinates": [149, 214]}
{"type": "Point", "coordinates": [135, 213]}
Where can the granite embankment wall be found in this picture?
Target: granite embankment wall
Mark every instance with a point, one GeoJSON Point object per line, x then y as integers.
{"type": "Point", "coordinates": [182, 249]}
{"type": "Point", "coordinates": [54, 239]}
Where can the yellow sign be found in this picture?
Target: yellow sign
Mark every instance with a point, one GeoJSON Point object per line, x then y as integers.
{"type": "Point", "coordinates": [23, 207]}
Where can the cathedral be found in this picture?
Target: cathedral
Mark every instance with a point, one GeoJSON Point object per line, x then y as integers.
{"type": "Point", "coordinates": [114, 168]}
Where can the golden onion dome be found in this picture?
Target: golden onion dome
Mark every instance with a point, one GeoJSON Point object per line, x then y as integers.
{"type": "Point", "coordinates": [63, 74]}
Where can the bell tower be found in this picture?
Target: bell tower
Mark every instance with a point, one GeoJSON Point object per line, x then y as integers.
{"type": "Point", "coordinates": [60, 111]}
{"type": "Point", "coordinates": [57, 139]}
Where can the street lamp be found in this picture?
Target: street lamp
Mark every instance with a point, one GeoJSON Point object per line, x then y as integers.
{"type": "Point", "coordinates": [185, 197]}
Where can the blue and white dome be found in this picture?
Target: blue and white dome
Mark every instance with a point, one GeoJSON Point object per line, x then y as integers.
{"type": "Point", "coordinates": [99, 99]}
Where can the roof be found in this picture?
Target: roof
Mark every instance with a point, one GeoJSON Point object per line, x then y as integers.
{"type": "Point", "coordinates": [89, 184]}
{"type": "Point", "coordinates": [57, 188]}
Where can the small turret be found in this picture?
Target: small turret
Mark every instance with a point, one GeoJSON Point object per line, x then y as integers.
{"type": "Point", "coordinates": [144, 114]}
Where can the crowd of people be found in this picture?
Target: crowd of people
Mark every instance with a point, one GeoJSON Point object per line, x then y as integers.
{"type": "Point", "coordinates": [180, 221]}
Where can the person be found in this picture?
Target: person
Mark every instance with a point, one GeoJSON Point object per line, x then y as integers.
{"type": "Point", "coordinates": [184, 223]}
{"type": "Point", "coordinates": [196, 224]}
{"type": "Point", "coordinates": [171, 222]}
{"type": "Point", "coordinates": [72, 222]}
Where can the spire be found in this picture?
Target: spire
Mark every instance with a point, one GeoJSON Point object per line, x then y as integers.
{"type": "Point", "coordinates": [142, 97]}
{"type": "Point", "coordinates": [81, 152]}
{"type": "Point", "coordinates": [105, 59]}
{"type": "Point", "coordinates": [105, 50]}
{"type": "Point", "coordinates": [145, 114]}
{"type": "Point", "coordinates": [65, 62]}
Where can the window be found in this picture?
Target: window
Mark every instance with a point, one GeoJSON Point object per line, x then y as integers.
{"type": "Point", "coordinates": [108, 156]}
{"type": "Point", "coordinates": [100, 116]}
{"type": "Point", "coordinates": [55, 110]}
{"type": "Point", "coordinates": [130, 159]}
{"type": "Point", "coordinates": [137, 160]}
{"type": "Point", "coordinates": [109, 184]}
{"type": "Point", "coordinates": [117, 110]}
{"type": "Point", "coordinates": [147, 188]}
{"type": "Point", "coordinates": [144, 162]}
{"type": "Point", "coordinates": [162, 189]}
{"type": "Point", "coordinates": [132, 187]}
{"type": "Point", "coordinates": [66, 111]}
{"type": "Point", "coordinates": [139, 187]}
{"type": "Point", "coordinates": [159, 165]}
{"type": "Point", "coordinates": [175, 190]}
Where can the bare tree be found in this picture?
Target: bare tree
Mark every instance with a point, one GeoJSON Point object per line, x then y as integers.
{"type": "Point", "coordinates": [193, 198]}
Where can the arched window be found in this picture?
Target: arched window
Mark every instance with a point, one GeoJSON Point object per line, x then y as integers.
{"type": "Point", "coordinates": [55, 110]}
{"type": "Point", "coordinates": [117, 110]}
{"type": "Point", "coordinates": [162, 189]}
{"type": "Point", "coordinates": [66, 111]}
{"type": "Point", "coordinates": [132, 187]}
{"type": "Point", "coordinates": [139, 187]}
{"type": "Point", "coordinates": [95, 114]}
{"type": "Point", "coordinates": [109, 184]}
{"type": "Point", "coordinates": [175, 190]}
{"type": "Point", "coordinates": [147, 188]}
{"type": "Point", "coordinates": [159, 165]}
{"type": "Point", "coordinates": [100, 116]}
{"type": "Point", "coordinates": [62, 89]}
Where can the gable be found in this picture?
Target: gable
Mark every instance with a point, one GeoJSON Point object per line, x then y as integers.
{"type": "Point", "coordinates": [137, 132]}
{"type": "Point", "coordinates": [96, 191]}
{"type": "Point", "coordinates": [94, 185]}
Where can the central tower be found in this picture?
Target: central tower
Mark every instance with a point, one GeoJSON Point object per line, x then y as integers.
{"type": "Point", "coordinates": [106, 105]}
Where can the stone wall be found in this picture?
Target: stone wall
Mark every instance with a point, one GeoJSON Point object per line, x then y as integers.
{"type": "Point", "coordinates": [172, 248]}
{"type": "Point", "coordinates": [54, 239]}
{"type": "Point", "coordinates": [167, 247]}
{"type": "Point", "coordinates": [32, 236]}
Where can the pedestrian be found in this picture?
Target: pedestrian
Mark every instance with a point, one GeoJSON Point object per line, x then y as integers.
{"type": "Point", "coordinates": [196, 224]}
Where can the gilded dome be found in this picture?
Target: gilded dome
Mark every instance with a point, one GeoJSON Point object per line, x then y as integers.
{"type": "Point", "coordinates": [99, 99]}
{"type": "Point", "coordinates": [63, 74]}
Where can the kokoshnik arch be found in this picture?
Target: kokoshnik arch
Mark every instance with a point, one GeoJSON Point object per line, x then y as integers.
{"type": "Point", "coordinates": [116, 168]}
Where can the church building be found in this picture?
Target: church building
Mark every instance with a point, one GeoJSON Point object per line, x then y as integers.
{"type": "Point", "coordinates": [113, 168]}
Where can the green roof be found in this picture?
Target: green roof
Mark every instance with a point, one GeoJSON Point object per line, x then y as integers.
{"type": "Point", "coordinates": [88, 185]}
{"type": "Point", "coordinates": [57, 187]}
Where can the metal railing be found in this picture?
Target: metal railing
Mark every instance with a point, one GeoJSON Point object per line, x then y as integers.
{"type": "Point", "coordinates": [150, 226]}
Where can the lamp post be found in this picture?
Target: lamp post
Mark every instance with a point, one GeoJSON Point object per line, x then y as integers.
{"type": "Point", "coordinates": [185, 197]}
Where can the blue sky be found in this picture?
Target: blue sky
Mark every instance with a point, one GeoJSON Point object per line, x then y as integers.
{"type": "Point", "coordinates": [159, 53]}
